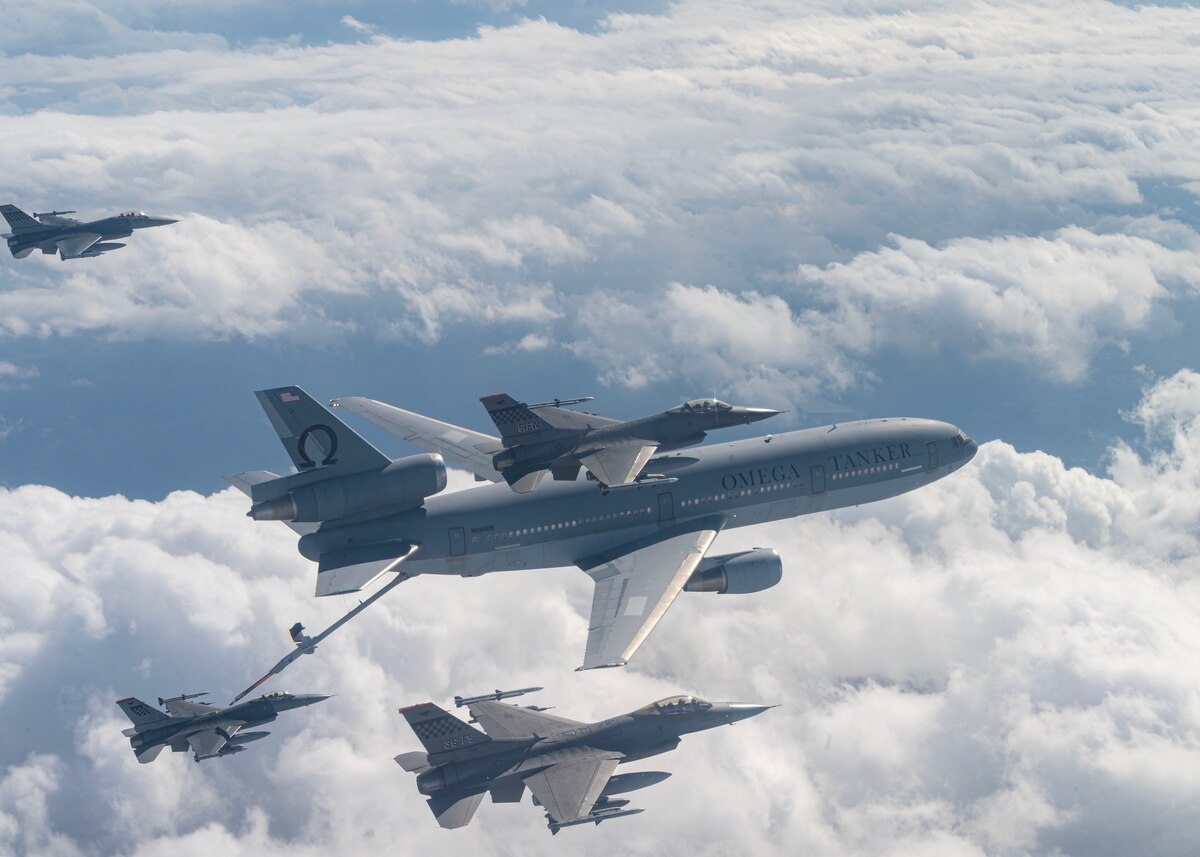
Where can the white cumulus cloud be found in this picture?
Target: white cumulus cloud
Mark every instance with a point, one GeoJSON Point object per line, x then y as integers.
{"type": "Point", "coordinates": [1001, 663]}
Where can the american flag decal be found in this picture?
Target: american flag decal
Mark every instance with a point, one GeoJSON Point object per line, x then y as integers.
{"type": "Point", "coordinates": [288, 396]}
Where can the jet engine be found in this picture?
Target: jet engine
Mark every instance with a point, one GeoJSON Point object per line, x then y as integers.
{"type": "Point", "coordinates": [402, 485]}
{"type": "Point", "coordinates": [737, 573]}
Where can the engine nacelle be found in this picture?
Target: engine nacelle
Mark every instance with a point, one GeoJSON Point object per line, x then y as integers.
{"type": "Point", "coordinates": [737, 573]}
{"type": "Point", "coordinates": [404, 484]}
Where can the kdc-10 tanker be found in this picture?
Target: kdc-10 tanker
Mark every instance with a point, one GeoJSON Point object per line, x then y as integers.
{"type": "Point", "coordinates": [361, 514]}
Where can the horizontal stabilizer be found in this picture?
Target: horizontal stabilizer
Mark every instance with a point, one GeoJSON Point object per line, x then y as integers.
{"type": "Point", "coordinates": [451, 813]}
{"type": "Point", "coordinates": [461, 447]}
{"type": "Point", "coordinates": [413, 762]}
{"type": "Point", "coordinates": [339, 572]}
{"type": "Point", "coordinates": [146, 755]}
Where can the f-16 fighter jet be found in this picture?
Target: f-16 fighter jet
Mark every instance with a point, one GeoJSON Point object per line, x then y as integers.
{"type": "Point", "coordinates": [547, 438]}
{"type": "Point", "coordinates": [360, 513]}
{"type": "Point", "coordinates": [209, 730]}
{"type": "Point", "coordinates": [567, 765]}
{"type": "Point", "coordinates": [69, 238]}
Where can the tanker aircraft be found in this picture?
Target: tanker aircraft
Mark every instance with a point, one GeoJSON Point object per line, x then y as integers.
{"type": "Point", "coordinates": [360, 513]}
{"type": "Point", "coordinates": [52, 232]}
{"type": "Point", "coordinates": [567, 765]}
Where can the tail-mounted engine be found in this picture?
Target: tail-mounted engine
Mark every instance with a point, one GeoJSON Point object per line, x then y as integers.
{"type": "Point", "coordinates": [313, 497]}
{"type": "Point", "coordinates": [737, 573]}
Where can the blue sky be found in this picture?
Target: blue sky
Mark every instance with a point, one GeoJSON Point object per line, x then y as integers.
{"type": "Point", "coordinates": [980, 213]}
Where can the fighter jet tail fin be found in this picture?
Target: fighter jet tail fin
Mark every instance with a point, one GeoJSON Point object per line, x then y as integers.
{"type": "Point", "coordinates": [440, 731]}
{"type": "Point", "coordinates": [140, 713]}
{"type": "Point", "coordinates": [314, 437]}
{"type": "Point", "coordinates": [516, 422]}
{"type": "Point", "coordinates": [19, 221]}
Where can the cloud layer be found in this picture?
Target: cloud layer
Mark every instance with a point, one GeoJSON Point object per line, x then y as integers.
{"type": "Point", "coordinates": [1003, 663]}
{"type": "Point", "coordinates": [1015, 182]}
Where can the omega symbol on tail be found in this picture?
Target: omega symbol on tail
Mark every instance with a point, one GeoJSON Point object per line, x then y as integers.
{"type": "Point", "coordinates": [332, 443]}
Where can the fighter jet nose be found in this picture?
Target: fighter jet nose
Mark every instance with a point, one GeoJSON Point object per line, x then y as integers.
{"type": "Point", "coordinates": [313, 698]}
{"type": "Point", "coordinates": [736, 711]}
{"type": "Point", "coordinates": [753, 415]}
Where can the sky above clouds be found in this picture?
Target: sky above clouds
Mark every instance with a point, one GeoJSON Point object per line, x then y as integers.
{"type": "Point", "coordinates": [980, 213]}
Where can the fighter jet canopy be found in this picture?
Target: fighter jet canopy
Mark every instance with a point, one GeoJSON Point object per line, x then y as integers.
{"type": "Point", "coordinates": [277, 694]}
{"type": "Point", "coordinates": [132, 214]}
{"type": "Point", "coordinates": [705, 405]}
{"type": "Point", "coordinates": [675, 705]}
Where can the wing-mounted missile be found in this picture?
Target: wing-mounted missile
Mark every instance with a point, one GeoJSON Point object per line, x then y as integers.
{"type": "Point", "coordinates": [497, 695]}
{"type": "Point", "coordinates": [183, 697]}
{"type": "Point", "coordinates": [562, 403]}
{"type": "Point", "coordinates": [595, 817]}
{"type": "Point", "coordinates": [55, 218]}
{"type": "Point", "coordinates": [246, 738]}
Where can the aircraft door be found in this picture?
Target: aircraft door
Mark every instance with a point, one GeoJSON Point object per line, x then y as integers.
{"type": "Point", "coordinates": [817, 475]}
{"type": "Point", "coordinates": [931, 448]}
{"type": "Point", "coordinates": [666, 508]}
{"type": "Point", "coordinates": [458, 541]}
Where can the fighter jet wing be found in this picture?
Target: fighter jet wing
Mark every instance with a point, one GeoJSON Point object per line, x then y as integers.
{"type": "Point", "coordinates": [207, 743]}
{"type": "Point", "coordinates": [570, 789]}
{"type": "Point", "coordinates": [74, 245]}
{"type": "Point", "coordinates": [620, 464]}
{"type": "Point", "coordinates": [636, 584]}
{"type": "Point", "coordinates": [463, 448]}
{"type": "Point", "coordinates": [501, 720]}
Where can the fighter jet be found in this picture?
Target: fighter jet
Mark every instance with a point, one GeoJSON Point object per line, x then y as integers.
{"type": "Point", "coordinates": [361, 514]}
{"type": "Point", "coordinates": [211, 731]}
{"type": "Point", "coordinates": [51, 232]}
{"type": "Point", "coordinates": [567, 765]}
{"type": "Point", "coordinates": [548, 438]}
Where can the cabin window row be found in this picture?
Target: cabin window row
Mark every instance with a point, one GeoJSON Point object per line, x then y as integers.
{"type": "Point", "coordinates": [861, 471]}
{"type": "Point", "coordinates": [745, 492]}
{"type": "Point", "coordinates": [565, 525]}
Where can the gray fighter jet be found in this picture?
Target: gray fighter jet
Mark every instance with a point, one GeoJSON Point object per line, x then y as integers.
{"type": "Point", "coordinates": [210, 731]}
{"type": "Point", "coordinates": [51, 232]}
{"type": "Point", "coordinates": [361, 514]}
{"type": "Point", "coordinates": [567, 765]}
{"type": "Point", "coordinates": [548, 438]}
